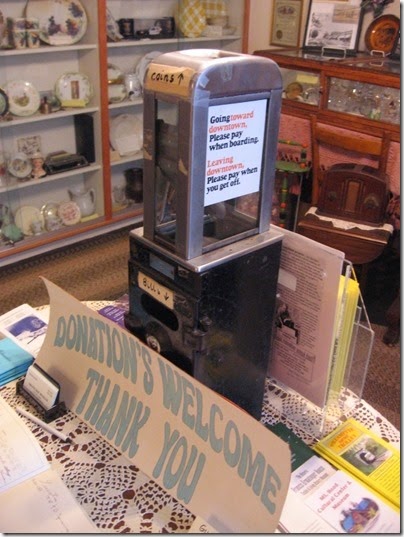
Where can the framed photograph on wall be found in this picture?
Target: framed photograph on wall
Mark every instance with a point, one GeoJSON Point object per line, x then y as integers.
{"type": "Point", "coordinates": [333, 25]}
{"type": "Point", "coordinates": [286, 23]}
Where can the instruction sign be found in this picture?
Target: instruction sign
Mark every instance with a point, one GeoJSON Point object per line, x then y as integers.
{"type": "Point", "coordinates": [234, 150]}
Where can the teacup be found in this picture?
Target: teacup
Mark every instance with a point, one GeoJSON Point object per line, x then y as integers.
{"type": "Point", "coordinates": [33, 40]}
{"type": "Point", "coordinates": [20, 39]}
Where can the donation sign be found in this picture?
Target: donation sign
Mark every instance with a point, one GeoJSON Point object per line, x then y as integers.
{"type": "Point", "coordinates": [218, 461]}
{"type": "Point", "coordinates": [235, 143]}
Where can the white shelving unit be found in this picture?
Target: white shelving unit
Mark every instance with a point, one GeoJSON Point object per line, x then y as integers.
{"type": "Point", "coordinates": [42, 67]}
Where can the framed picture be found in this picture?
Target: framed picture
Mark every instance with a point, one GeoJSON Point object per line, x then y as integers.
{"type": "Point", "coordinates": [286, 23]}
{"type": "Point", "coordinates": [333, 25]}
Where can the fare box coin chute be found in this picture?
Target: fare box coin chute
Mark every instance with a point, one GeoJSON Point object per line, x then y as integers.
{"type": "Point", "coordinates": [203, 269]}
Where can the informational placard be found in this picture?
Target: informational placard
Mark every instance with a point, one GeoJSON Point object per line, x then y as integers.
{"type": "Point", "coordinates": [217, 460]}
{"type": "Point", "coordinates": [234, 150]}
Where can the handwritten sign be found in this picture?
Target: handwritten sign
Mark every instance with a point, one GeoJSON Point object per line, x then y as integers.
{"type": "Point", "coordinates": [234, 150]}
{"type": "Point", "coordinates": [156, 290]}
{"type": "Point", "coordinates": [221, 463]}
{"type": "Point", "coordinates": [169, 79]}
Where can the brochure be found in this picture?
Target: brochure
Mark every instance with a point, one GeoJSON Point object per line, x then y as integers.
{"type": "Point", "coordinates": [324, 500]}
{"type": "Point", "coordinates": [368, 458]}
{"type": "Point", "coordinates": [26, 326]}
{"type": "Point", "coordinates": [307, 316]}
{"type": "Point", "coordinates": [14, 360]}
{"type": "Point", "coordinates": [116, 310]}
{"type": "Point", "coordinates": [348, 298]}
{"type": "Point", "coordinates": [350, 508]}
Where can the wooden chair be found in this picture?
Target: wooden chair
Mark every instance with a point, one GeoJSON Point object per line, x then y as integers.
{"type": "Point", "coordinates": [352, 193]}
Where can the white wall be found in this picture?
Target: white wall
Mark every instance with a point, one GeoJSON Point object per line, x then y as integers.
{"type": "Point", "coordinates": [261, 18]}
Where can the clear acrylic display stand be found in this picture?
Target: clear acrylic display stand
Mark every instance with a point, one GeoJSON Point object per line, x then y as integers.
{"type": "Point", "coordinates": [315, 421]}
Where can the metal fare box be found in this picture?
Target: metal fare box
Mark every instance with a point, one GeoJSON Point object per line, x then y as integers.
{"type": "Point", "coordinates": [203, 270]}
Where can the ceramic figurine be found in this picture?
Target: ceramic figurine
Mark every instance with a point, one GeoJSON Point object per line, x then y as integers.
{"type": "Point", "coordinates": [9, 231]}
{"type": "Point", "coordinates": [37, 166]}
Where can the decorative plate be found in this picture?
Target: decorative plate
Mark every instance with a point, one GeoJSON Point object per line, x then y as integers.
{"type": "Point", "coordinates": [24, 216]}
{"type": "Point", "coordinates": [115, 74]}
{"type": "Point", "coordinates": [69, 213]}
{"type": "Point", "coordinates": [23, 98]}
{"type": "Point", "coordinates": [72, 87]}
{"type": "Point", "coordinates": [20, 165]}
{"type": "Point", "coordinates": [3, 103]}
{"type": "Point", "coordinates": [141, 67]}
{"type": "Point", "coordinates": [113, 32]}
{"type": "Point", "coordinates": [61, 22]}
{"type": "Point", "coordinates": [126, 134]}
{"type": "Point", "coordinates": [381, 33]}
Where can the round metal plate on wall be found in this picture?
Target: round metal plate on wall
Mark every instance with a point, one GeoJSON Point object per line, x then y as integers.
{"type": "Point", "coordinates": [381, 33]}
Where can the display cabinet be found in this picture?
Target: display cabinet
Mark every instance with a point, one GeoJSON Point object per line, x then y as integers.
{"type": "Point", "coordinates": [362, 90]}
{"type": "Point", "coordinates": [82, 119]}
{"type": "Point", "coordinates": [360, 94]}
{"type": "Point", "coordinates": [35, 125]}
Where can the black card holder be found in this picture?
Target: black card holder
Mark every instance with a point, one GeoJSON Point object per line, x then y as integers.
{"type": "Point", "coordinates": [47, 414]}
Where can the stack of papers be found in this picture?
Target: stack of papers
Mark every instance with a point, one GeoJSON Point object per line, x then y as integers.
{"type": "Point", "coordinates": [14, 360]}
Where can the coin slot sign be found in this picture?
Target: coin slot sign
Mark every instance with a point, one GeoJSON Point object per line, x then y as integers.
{"type": "Point", "coordinates": [168, 79]}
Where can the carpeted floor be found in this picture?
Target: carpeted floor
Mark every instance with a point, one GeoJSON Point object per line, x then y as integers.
{"type": "Point", "coordinates": [97, 269]}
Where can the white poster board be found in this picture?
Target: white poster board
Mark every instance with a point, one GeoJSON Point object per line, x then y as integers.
{"type": "Point", "coordinates": [234, 149]}
{"type": "Point", "coordinates": [217, 460]}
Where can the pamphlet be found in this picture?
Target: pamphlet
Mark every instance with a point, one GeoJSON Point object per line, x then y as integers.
{"type": "Point", "coordinates": [369, 459]}
{"type": "Point", "coordinates": [348, 298]}
{"type": "Point", "coordinates": [14, 360]}
{"type": "Point", "coordinates": [350, 508]}
{"type": "Point", "coordinates": [116, 310]}
{"type": "Point", "coordinates": [324, 500]}
{"type": "Point", "coordinates": [307, 315]}
{"type": "Point", "coordinates": [26, 326]}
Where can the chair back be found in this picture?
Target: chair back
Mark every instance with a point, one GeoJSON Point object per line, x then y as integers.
{"type": "Point", "coordinates": [350, 191]}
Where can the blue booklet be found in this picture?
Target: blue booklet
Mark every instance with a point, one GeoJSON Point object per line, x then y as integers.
{"type": "Point", "coordinates": [14, 360]}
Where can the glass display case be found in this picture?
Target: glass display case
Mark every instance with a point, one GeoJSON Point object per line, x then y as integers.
{"type": "Point", "coordinates": [364, 86]}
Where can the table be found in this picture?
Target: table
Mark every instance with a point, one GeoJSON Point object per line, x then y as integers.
{"type": "Point", "coordinates": [116, 495]}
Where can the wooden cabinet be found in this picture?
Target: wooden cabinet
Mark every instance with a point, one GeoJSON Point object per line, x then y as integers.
{"type": "Point", "coordinates": [360, 94]}
{"type": "Point", "coordinates": [77, 129]}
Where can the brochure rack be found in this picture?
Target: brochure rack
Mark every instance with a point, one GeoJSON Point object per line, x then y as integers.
{"type": "Point", "coordinates": [315, 421]}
